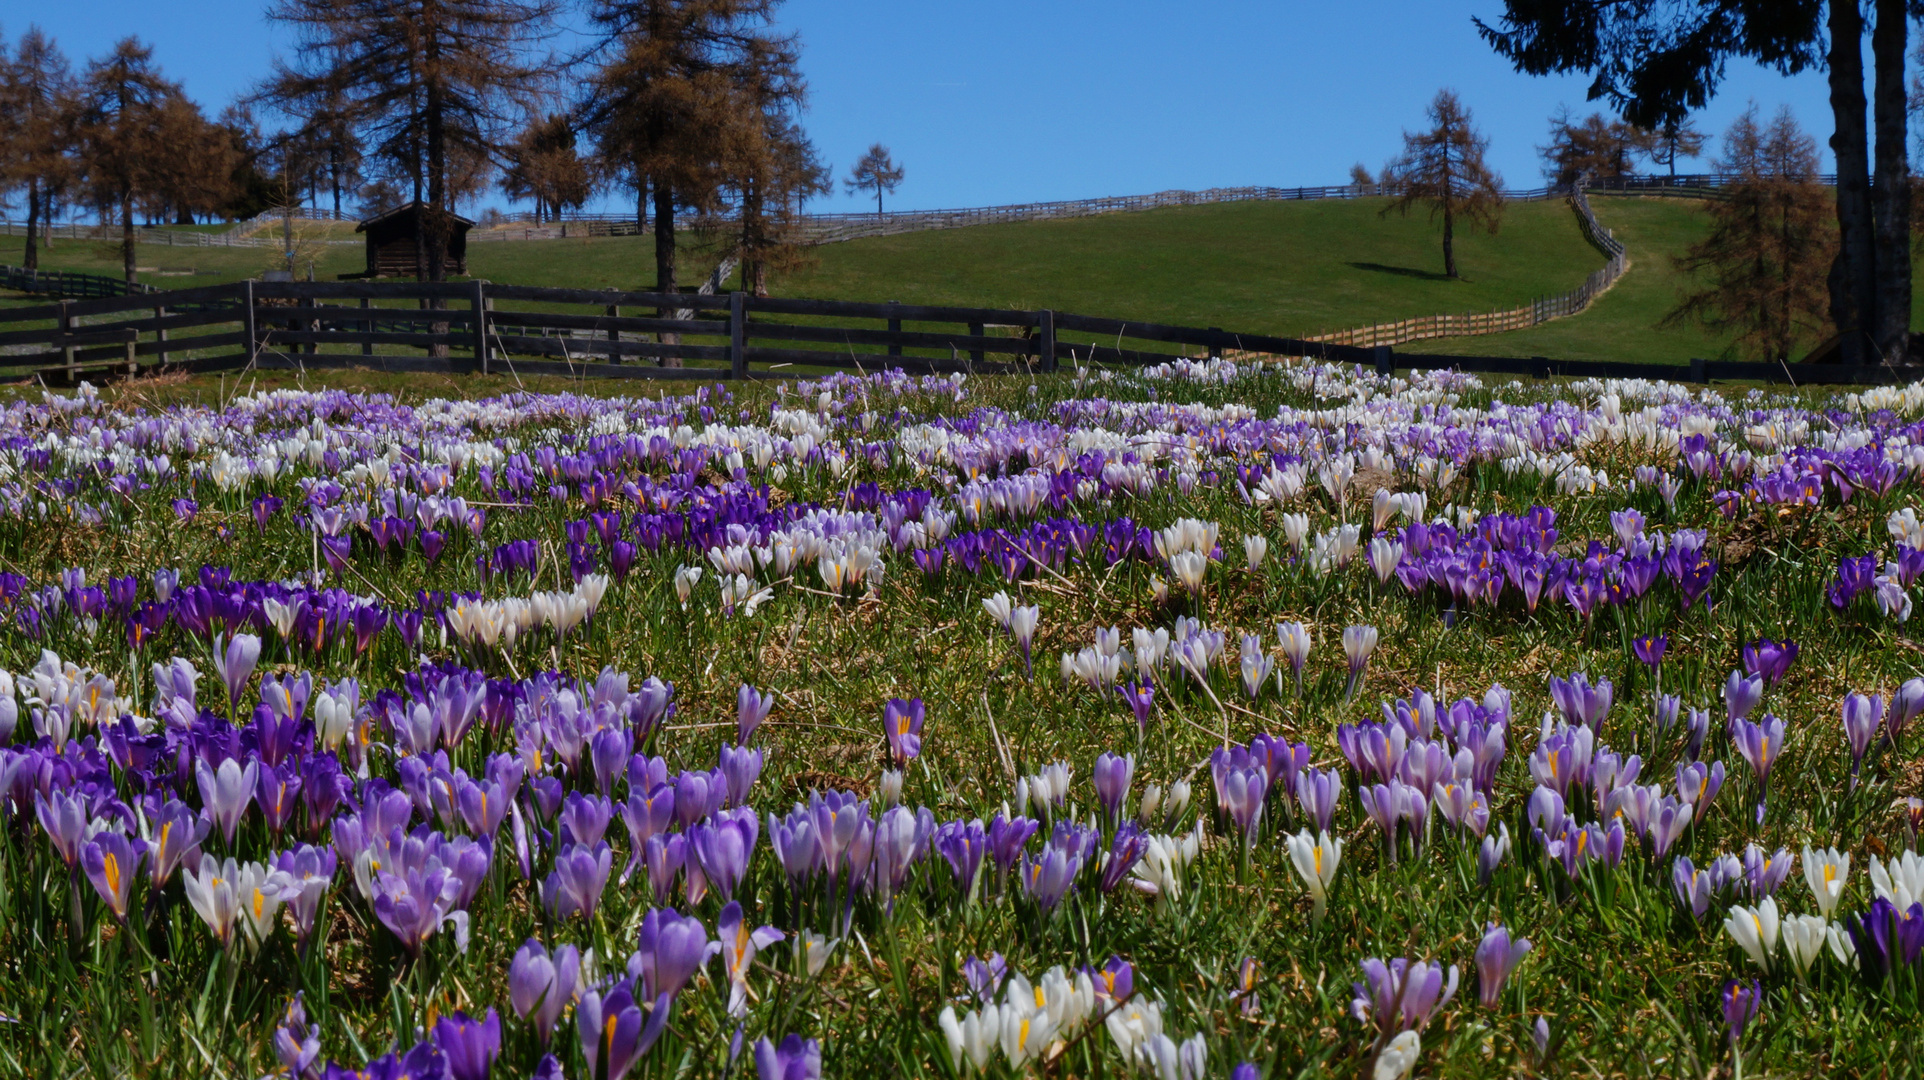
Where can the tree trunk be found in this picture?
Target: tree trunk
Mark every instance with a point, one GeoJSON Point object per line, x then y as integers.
{"type": "Point", "coordinates": [1853, 276]}
{"type": "Point", "coordinates": [434, 223]}
{"type": "Point", "coordinates": [641, 204]}
{"type": "Point", "coordinates": [33, 225]}
{"type": "Point", "coordinates": [665, 258]}
{"type": "Point", "coordinates": [664, 238]}
{"type": "Point", "coordinates": [127, 235]}
{"type": "Point", "coordinates": [1449, 242]}
{"type": "Point", "coordinates": [1891, 186]}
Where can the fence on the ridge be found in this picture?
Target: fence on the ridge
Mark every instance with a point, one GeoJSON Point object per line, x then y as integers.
{"type": "Point", "coordinates": [832, 228]}
{"type": "Point", "coordinates": [1540, 310]}
{"type": "Point", "coordinates": [475, 327]}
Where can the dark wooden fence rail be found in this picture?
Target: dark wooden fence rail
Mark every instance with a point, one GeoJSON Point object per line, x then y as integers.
{"type": "Point", "coordinates": [476, 326]}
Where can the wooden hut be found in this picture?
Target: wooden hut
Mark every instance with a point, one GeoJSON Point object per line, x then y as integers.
{"type": "Point", "coordinates": [391, 242]}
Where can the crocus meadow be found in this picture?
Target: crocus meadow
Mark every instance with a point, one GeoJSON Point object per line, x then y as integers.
{"type": "Point", "coordinates": [1400, 726]}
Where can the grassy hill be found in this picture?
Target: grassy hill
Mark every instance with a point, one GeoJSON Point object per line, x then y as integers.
{"type": "Point", "coordinates": [1278, 268]}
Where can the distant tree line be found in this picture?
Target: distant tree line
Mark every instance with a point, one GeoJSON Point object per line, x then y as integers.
{"type": "Point", "coordinates": [691, 106]}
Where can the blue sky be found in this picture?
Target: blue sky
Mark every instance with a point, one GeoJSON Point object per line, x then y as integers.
{"type": "Point", "coordinates": [998, 101]}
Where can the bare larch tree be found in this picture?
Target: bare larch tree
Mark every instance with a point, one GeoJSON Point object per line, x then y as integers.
{"type": "Point", "coordinates": [1442, 168]}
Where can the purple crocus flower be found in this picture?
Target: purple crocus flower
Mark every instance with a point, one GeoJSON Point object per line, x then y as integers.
{"type": "Point", "coordinates": [1694, 887]}
{"type": "Point", "coordinates": [65, 818]}
{"type": "Point", "coordinates": [1697, 726]}
{"type": "Point", "coordinates": [1580, 701]}
{"type": "Point", "coordinates": [739, 944]}
{"type": "Point", "coordinates": [1401, 995]}
{"type": "Point", "coordinates": [795, 1059]}
{"type": "Point", "coordinates": [740, 767]}
{"type": "Point", "coordinates": [1769, 660]}
{"type": "Point", "coordinates": [985, 976]}
{"type": "Point", "coordinates": [1318, 791]}
{"type": "Point", "coordinates": [575, 886]}
{"type": "Point", "coordinates": [1007, 838]}
{"type": "Point", "coordinates": [234, 662]}
{"type": "Point", "coordinates": [303, 876]}
{"type": "Point", "coordinates": [417, 902]}
{"type": "Point", "coordinates": [1141, 699]}
{"type": "Point", "coordinates": [751, 708]}
{"type": "Point", "coordinates": [902, 723]}
{"type": "Point", "coordinates": [584, 819]}
{"type": "Point", "coordinates": [1741, 695]}
{"type": "Point", "coordinates": [722, 848]}
{"type": "Point", "coordinates": [1649, 650]}
{"type": "Point", "coordinates": [469, 1045]}
{"type": "Point", "coordinates": [1047, 878]}
{"type": "Point", "coordinates": [962, 844]}
{"type": "Point", "coordinates": [295, 1043]}
{"type": "Point", "coordinates": [672, 949]}
{"type": "Point", "coordinates": [1886, 937]}
{"type": "Point", "coordinates": [1862, 715]}
{"type": "Point", "coordinates": [614, 1033]}
{"type": "Point", "coordinates": [1740, 1001]}
{"type": "Point", "coordinates": [540, 985]}
{"type": "Point", "coordinates": [1907, 703]}
{"type": "Point", "coordinates": [226, 792]}
{"type": "Point", "coordinates": [1667, 825]}
{"type": "Point", "coordinates": [174, 835]}
{"type": "Point", "coordinates": [1496, 957]}
{"type": "Point", "coordinates": [482, 804]}
{"type": "Point", "coordinates": [1491, 853]}
{"type": "Point", "coordinates": [1698, 784]}
{"type": "Point", "coordinates": [112, 862]}
{"type": "Point", "coordinates": [1765, 873]}
{"type": "Point", "coordinates": [608, 752]}
{"type": "Point", "coordinates": [1125, 851]}
{"type": "Point", "coordinates": [1112, 778]}
{"type": "Point", "coordinates": [1759, 744]}
{"type": "Point", "coordinates": [1240, 792]}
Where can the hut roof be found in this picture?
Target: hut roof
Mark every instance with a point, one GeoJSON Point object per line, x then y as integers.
{"type": "Point", "coordinates": [403, 210]}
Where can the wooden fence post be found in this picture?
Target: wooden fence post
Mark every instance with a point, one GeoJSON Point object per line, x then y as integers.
{"type": "Point", "coordinates": [1385, 360]}
{"type": "Point", "coordinates": [895, 327]}
{"type": "Point", "coordinates": [1046, 338]}
{"type": "Point", "coordinates": [479, 305]}
{"type": "Point", "coordinates": [367, 326]}
{"type": "Point", "coordinates": [160, 336]}
{"type": "Point", "coordinates": [614, 312]}
{"type": "Point", "coordinates": [1215, 343]}
{"type": "Point", "coordinates": [66, 338]}
{"type": "Point", "coordinates": [1699, 371]}
{"type": "Point", "coordinates": [249, 327]}
{"type": "Point", "coordinates": [738, 334]}
{"type": "Point", "coordinates": [975, 330]}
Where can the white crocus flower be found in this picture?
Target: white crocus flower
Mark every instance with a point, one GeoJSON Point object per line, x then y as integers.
{"type": "Point", "coordinates": [1255, 550]}
{"type": "Point", "coordinates": [1398, 1059]}
{"type": "Point", "coordinates": [1901, 881]}
{"type": "Point", "coordinates": [1825, 871]}
{"type": "Point", "coordinates": [1755, 930]}
{"type": "Point", "coordinates": [1133, 1024]}
{"type": "Point", "coordinates": [1804, 940]}
{"type": "Point", "coordinates": [998, 608]}
{"type": "Point", "coordinates": [973, 1036]}
{"type": "Point", "coordinates": [1315, 859]}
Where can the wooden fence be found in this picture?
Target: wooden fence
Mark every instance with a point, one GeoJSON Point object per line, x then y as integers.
{"type": "Point", "coordinates": [507, 330]}
{"type": "Point", "coordinates": [67, 283]}
{"type": "Point", "coordinates": [1540, 310]}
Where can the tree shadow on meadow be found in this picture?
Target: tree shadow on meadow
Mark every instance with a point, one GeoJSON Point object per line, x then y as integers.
{"type": "Point", "coordinates": [1402, 271]}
